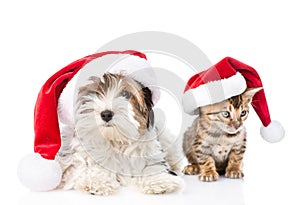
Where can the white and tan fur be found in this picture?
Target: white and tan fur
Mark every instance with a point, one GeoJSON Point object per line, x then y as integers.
{"type": "Point", "coordinates": [128, 149]}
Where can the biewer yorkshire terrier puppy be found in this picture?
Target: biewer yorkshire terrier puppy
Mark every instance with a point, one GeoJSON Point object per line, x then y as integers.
{"type": "Point", "coordinates": [116, 141]}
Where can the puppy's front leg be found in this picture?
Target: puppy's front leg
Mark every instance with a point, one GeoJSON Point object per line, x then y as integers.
{"type": "Point", "coordinates": [97, 181]}
{"type": "Point", "coordinates": [158, 180]}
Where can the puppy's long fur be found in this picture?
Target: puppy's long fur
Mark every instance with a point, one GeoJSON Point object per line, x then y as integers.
{"type": "Point", "coordinates": [116, 141]}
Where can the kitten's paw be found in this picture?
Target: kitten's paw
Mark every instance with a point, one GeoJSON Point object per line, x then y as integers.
{"type": "Point", "coordinates": [209, 176]}
{"type": "Point", "coordinates": [160, 184]}
{"type": "Point", "coordinates": [98, 187]}
{"type": "Point", "coordinates": [191, 169]}
{"type": "Point", "coordinates": [234, 174]}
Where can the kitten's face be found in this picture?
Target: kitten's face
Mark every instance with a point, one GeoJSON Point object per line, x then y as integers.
{"type": "Point", "coordinates": [230, 114]}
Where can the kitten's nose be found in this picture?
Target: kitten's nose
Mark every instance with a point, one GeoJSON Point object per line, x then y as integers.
{"type": "Point", "coordinates": [107, 115]}
{"type": "Point", "coordinates": [236, 124]}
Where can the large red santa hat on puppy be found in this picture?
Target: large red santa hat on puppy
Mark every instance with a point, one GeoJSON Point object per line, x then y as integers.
{"type": "Point", "coordinates": [226, 79]}
{"type": "Point", "coordinates": [39, 171]}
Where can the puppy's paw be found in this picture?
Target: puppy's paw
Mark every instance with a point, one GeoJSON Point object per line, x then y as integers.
{"type": "Point", "coordinates": [160, 184]}
{"type": "Point", "coordinates": [98, 186]}
{"type": "Point", "coordinates": [209, 176]}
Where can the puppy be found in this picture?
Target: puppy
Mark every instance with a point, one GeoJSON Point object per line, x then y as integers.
{"type": "Point", "coordinates": [116, 141]}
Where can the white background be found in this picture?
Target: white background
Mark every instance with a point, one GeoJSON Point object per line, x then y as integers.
{"type": "Point", "coordinates": [38, 38]}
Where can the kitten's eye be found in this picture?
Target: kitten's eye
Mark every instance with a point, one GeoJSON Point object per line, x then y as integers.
{"type": "Point", "coordinates": [225, 114]}
{"type": "Point", "coordinates": [243, 113]}
{"type": "Point", "coordinates": [126, 94]}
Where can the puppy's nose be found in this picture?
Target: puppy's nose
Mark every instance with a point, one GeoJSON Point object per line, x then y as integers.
{"type": "Point", "coordinates": [107, 115]}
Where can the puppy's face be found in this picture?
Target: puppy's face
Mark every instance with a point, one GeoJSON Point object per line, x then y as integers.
{"type": "Point", "coordinates": [115, 105]}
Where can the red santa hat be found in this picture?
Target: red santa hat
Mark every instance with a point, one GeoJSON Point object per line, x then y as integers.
{"type": "Point", "coordinates": [226, 79]}
{"type": "Point", "coordinates": [39, 171]}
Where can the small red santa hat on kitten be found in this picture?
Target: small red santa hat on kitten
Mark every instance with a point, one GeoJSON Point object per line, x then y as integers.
{"type": "Point", "coordinates": [226, 79]}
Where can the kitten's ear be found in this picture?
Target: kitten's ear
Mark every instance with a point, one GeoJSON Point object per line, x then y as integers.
{"type": "Point", "coordinates": [250, 92]}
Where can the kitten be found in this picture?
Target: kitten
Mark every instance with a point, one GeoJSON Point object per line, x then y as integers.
{"type": "Point", "coordinates": [216, 141]}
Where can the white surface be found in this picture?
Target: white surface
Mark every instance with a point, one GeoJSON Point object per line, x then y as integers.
{"type": "Point", "coordinates": [38, 38]}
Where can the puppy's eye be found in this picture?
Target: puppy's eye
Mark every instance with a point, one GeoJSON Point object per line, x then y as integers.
{"type": "Point", "coordinates": [243, 113]}
{"type": "Point", "coordinates": [225, 114]}
{"type": "Point", "coordinates": [126, 94]}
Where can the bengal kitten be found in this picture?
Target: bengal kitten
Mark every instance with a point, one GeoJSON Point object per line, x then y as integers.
{"type": "Point", "coordinates": [216, 141]}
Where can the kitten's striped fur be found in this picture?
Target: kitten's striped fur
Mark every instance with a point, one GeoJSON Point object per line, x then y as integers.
{"type": "Point", "coordinates": [216, 141]}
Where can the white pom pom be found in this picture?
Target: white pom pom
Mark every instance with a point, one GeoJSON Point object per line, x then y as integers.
{"type": "Point", "coordinates": [274, 132]}
{"type": "Point", "coordinates": [39, 174]}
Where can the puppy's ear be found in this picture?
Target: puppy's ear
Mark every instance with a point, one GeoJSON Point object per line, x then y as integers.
{"type": "Point", "coordinates": [148, 97]}
{"type": "Point", "coordinates": [150, 119]}
{"type": "Point", "coordinates": [149, 104]}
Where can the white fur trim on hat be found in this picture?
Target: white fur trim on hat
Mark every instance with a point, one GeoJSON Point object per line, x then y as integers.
{"type": "Point", "coordinates": [213, 92]}
{"type": "Point", "coordinates": [274, 132]}
{"type": "Point", "coordinates": [39, 174]}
